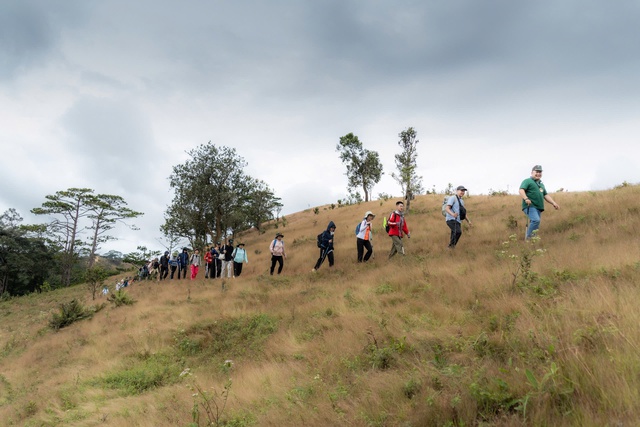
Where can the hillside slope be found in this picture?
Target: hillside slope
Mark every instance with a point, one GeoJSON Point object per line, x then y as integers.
{"type": "Point", "coordinates": [492, 333]}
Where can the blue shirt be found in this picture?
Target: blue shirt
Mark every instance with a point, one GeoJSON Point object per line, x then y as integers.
{"type": "Point", "coordinates": [455, 208]}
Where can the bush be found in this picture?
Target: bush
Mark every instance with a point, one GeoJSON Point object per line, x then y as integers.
{"type": "Point", "coordinates": [71, 312]}
{"type": "Point", "coordinates": [120, 297]}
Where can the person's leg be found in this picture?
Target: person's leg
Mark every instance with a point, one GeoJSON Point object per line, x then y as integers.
{"type": "Point", "coordinates": [360, 247]}
{"type": "Point", "coordinates": [392, 252]}
{"type": "Point", "coordinates": [281, 264]}
{"type": "Point", "coordinates": [320, 260]}
{"type": "Point", "coordinates": [452, 236]}
{"type": "Point", "coordinates": [367, 245]}
{"type": "Point", "coordinates": [218, 268]}
{"type": "Point", "coordinates": [397, 245]}
{"type": "Point", "coordinates": [330, 257]}
{"type": "Point", "coordinates": [534, 220]}
{"type": "Point", "coordinates": [239, 271]}
{"type": "Point", "coordinates": [458, 231]}
{"type": "Point", "coordinates": [229, 269]}
{"type": "Point", "coordinates": [273, 264]}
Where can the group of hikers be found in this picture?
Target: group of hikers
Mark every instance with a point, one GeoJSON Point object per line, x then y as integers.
{"type": "Point", "coordinates": [532, 191]}
{"type": "Point", "coordinates": [224, 260]}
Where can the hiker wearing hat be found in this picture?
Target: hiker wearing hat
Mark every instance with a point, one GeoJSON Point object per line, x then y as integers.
{"type": "Point", "coordinates": [455, 214]}
{"type": "Point", "coordinates": [277, 253]}
{"type": "Point", "coordinates": [397, 228]}
{"type": "Point", "coordinates": [239, 258]}
{"type": "Point", "coordinates": [533, 195]}
{"type": "Point", "coordinates": [325, 243]}
{"type": "Point", "coordinates": [173, 263]}
{"type": "Point", "coordinates": [363, 237]}
{"type": "Point", "coordinates": [226, 252]}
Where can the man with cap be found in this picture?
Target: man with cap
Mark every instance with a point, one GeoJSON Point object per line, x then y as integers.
{"type": "Point", "coordinates": [363, 237]}
{"type": "Point", "coordinates": [533, 195]}
{"type": "Point", "coordinates": [455, 214]}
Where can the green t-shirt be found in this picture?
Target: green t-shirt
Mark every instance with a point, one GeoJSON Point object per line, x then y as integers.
{"type": "Point", "coordinates": [535, 191]}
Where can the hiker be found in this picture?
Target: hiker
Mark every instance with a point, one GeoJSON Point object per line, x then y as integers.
{"type": "Point", "coordinates": [195, 263]}
{"type": "Point", "coordinates": [164, 265]}
{"type": "Point", "coordinates": [153, 269]}
{"type": "Point", "coordinates": [213, 262]}
{"type": "Point", "coordinates": [217, 257]}
{"type": "Point", "coordinates": [173, 264]}
{"type": "Point", "coordinates": [227, 258]}
{"type": "Point", "coordinates": [325, 241]}
{"type": "Point", "coordinates": [239, 258]}
{"type": "Point", "coordinates": [455, 214]}
{"type": "Point", "coordinates": [183, 261]}
{"type": "Point", "coordinates": [208, 259]}
{"type": "Point", "coordinates": [533, 195]}
{"type": "Point", "coordinates": [363, 237]}
{"type": "Point", "coordinates": [277, 253]}
{"type": "Point", "coordinates": [397, 228]}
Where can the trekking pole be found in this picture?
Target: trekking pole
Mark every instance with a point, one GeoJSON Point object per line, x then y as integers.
{"type": "Point", "coordinates": [526, 226]}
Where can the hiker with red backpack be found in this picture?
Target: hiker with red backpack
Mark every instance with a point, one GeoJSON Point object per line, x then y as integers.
{"type": "Point", "coordinates": [397, 229]}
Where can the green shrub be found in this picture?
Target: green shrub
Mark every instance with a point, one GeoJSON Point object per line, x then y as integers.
{"type": "Point", "coordinates": [120, 297]}
{"type": "Point", "coordinates": [156, 371]}
{"type": "Point", "coordinates": [71, 312]}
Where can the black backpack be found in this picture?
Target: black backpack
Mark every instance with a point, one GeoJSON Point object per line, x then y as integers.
{"type": "Point", "coordinates": [319, 239]}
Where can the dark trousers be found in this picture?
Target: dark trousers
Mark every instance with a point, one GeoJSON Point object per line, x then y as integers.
{"type": "Point", "coordinates": [237, 268]}
{"type": "Point", "coordinates": [182, 271]}
{"type": "Point", "coordinates": [173, 271]}
{"type": "Point", "coordinates": [361, 245]}
{"type": "Point", "coordinates": [164, 272]}
{"type": "Point", "coordinates": [277, 259]}
{"type": "Point", "coordinates": [213, 271]}
{"type": "Point", "coordinates": [456, 232]}
{"type": "Point", "coordinates": [218, 267]}
{"type": "Point", "coordinates": [324, 253]}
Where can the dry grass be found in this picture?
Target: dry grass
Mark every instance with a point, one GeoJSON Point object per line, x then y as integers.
{"type": "Point", "coordinates": [436, 337]}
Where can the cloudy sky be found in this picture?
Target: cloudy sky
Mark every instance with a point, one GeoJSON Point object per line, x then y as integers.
{"type": "Point", "coordinates": [110, 95]}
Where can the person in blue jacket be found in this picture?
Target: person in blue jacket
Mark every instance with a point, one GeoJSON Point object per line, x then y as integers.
{"type": "Point", "coordinates": [326, 246]}
{"type": "Point", "coordinates": [183, 263]}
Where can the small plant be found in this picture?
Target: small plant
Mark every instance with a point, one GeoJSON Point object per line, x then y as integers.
{"type": "Point", "coordinates": [511, 222]}
{"type": "Point", "coordinates": [208, 407]}
{"type": "Point", "coordinates": [120, 297]}
{"type": "Point", "coordinates": [494, 193]}
{"type": "Point", "coordinates": [522, 274]}
{"type": "Point", "coordinates": [316, 210]}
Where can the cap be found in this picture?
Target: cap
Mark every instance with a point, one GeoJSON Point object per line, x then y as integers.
{"type": "Point", "coordinates": [460, 187]}
{"type": "Point", "coordinates": [537, 168]}
{"type": "Point", "coordinates": [369, 213]}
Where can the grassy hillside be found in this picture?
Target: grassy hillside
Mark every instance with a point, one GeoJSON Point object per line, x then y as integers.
{"type": "Point", "coordinates": [492, 333]}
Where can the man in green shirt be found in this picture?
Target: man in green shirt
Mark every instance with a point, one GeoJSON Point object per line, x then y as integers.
{"type": "Point", "coordinates": [533, 196]}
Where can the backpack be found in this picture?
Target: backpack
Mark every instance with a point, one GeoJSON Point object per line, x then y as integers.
{"type": "Point", "coordinates": [385, 222]}
{"type": "Point", "coordinates": [463, 210]}
{"type": "Point", "coordinates": [319, 239]}
{"type": "Point", "coordinates": [444, 206]}
{"type": "Point", "coordinates": [358, 228]}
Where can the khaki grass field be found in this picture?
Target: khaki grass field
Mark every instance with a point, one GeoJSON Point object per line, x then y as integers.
{"type": "Point", "coordinates": [497, 332]}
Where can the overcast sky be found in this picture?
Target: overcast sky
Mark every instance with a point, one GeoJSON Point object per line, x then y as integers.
{"type": "Point", "coordinates": [110, 95]}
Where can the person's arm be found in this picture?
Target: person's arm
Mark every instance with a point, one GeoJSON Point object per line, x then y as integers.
{"type": "Point", "coordinates": [451, 212]}
{"type": "Point", "coordinates": [523, 194]}
{"type": "Point", "coordinates": [549, 199]}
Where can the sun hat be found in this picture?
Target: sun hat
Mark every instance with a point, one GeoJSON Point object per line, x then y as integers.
{"type": "Point", "coordinates": [369, 213]}
{"type": "Point", "coordinates": [279, 235]}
